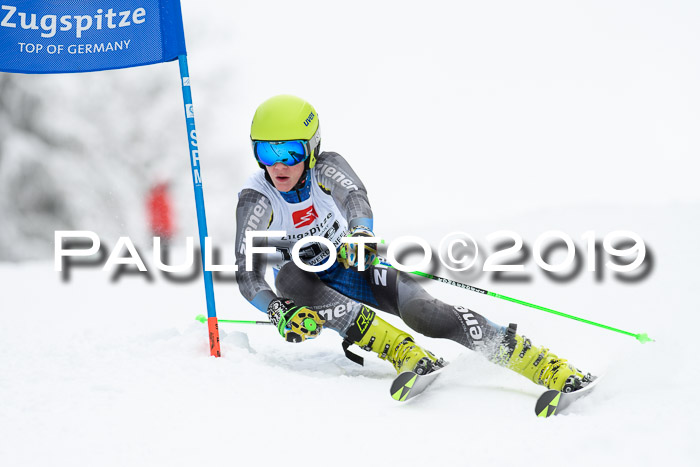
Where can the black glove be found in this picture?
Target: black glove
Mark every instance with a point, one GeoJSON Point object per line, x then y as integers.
{"type": "Point", "coordinates": [294, 323]}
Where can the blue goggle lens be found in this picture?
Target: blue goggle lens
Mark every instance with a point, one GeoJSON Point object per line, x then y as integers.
{"type": "Point", "coordinates": [286, 152]}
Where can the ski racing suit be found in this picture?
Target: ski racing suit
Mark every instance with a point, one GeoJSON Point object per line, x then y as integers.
{"type": "Point", "coordinates": [329, 201]}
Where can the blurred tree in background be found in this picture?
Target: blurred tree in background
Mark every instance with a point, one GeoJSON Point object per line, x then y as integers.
{"type": "Point", "coordinates": [80, 152]}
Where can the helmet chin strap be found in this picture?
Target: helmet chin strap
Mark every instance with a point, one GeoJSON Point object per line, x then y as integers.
{"type": "Point", "coordinates": [302, 180]}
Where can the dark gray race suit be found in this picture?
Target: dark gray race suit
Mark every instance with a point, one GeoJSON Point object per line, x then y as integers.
{"type": "Point", "coordinates": [339, 293]}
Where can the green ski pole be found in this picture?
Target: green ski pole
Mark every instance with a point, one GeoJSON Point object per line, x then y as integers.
{"type": "Point", "coordinates": [641, 337]}
{"type": "Point", "coordinates": [203, 319]}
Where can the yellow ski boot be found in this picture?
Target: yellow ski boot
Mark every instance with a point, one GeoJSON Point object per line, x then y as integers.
{"type": "Point", "coordinates": [538, 364]}
{"type": "Point", "coordinates": [398, 347]}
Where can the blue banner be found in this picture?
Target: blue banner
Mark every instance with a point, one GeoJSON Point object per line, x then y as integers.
{"type": "Point", "coordinates": [70, 36]}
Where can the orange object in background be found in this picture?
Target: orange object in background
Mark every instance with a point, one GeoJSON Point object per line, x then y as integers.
{"type": "Point", "coordinates": [159, 206]}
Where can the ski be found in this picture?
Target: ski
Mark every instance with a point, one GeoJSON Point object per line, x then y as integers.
{"type": "Point", "coordinates": [409, 384]}
{"type": "Point", "coordinates": [554, 402]}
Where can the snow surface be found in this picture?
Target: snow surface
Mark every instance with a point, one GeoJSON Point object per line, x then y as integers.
{"type": "Point", "coordinates": [533, 116]}
{"type": "Point", "coordinates": [119, 374]}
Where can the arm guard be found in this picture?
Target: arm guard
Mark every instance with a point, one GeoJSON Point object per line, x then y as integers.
{"type": "Point", "coordinates": [254, 212]}
{"type": "Point", "coordinates": [336, 177]}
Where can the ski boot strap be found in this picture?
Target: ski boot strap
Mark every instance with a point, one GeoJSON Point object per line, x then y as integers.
{"type": "Point", "coordinates": [356, 332]}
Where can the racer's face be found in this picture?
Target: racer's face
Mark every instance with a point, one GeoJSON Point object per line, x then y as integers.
{"type": "Point", "coordinates": [284, 177]}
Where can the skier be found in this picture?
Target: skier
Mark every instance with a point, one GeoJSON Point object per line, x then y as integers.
{"type": "Point", "coordinates": [304, 191]}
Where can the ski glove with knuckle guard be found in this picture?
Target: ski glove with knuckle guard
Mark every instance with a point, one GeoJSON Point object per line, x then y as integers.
{"type": "Point", "coordinates": [294, 323]}
{"type": "Point", "coordinates": [349, 253]}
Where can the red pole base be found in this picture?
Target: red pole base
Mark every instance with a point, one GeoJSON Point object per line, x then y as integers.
{"type": "Point", "coordinates": [214, 337]}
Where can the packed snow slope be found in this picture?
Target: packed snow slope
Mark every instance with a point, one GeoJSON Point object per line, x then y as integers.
{"type": "Point", "coordinates": [120, 373]}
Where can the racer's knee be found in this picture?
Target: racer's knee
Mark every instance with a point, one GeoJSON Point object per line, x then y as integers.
{"type": "Point", "coordinates": [293, 282]}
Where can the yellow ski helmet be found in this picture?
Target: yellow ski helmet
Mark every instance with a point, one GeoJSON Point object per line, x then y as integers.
{"type": "Point", "coordinates": [285, 129]}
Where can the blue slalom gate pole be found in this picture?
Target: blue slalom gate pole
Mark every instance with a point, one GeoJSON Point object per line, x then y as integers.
{"type": "Point", "coordinates": [199, 203]}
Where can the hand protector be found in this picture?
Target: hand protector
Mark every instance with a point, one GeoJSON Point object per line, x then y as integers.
{"type": "Point", "coordinates": [348, 254]}
{"type": "Point", "coordinates": [294, 323]}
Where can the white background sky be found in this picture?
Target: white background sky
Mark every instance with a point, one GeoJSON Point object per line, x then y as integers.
{"type": "Point", "coordinates": [494, 108]}
{"type": "Point", "coordinates": [455, 114]}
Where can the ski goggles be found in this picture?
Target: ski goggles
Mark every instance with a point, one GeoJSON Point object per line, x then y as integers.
{"type": "Point", "coordinates": [287, 152]}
